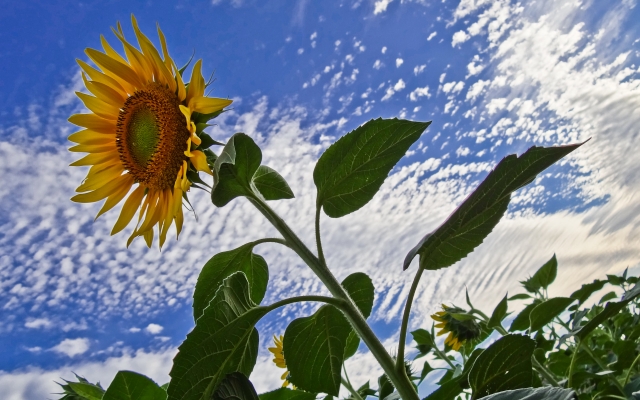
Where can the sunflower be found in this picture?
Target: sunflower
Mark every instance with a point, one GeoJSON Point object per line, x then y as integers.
{"type": "Point", "coordinates": [460, 326]}
{"type": "Point", "coordinates": [141, 134]}
{"type": "Point", "coordinates": [279, 359]}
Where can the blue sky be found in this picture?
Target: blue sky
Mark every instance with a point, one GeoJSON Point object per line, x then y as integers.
{"type": "Point", "coordinates": [496, 77]}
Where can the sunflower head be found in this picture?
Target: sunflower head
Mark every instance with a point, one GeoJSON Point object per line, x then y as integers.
{"type": "Point", "coordinates": [143, 133]}
{"type": "Point", "coordinates": [278, 359]}
{"type": "Point", "coordinates": [460, 325]}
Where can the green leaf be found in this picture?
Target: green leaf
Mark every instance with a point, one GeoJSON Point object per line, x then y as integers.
{"type": "Point", "coordinates": [86, 390]}
{"type": "Point", "coordinates": [476, 217]}
{"type": "Point", "coordinates": [543, 393]}
{"type": "Point", "coordinates": [424, 340]}
{"type": "Point", "coordinates": [499, 313]}
{"type": "Point", "coordinates": [587, 290]}
{"type": "Point", "coordinates": [207, 141]}
{"type": "Point", "coordinates": [543, 277]}
{"type": "Point", "coordinates": [271, 184]}
{"type": "Point", "coordinates": [353, 342]}
{"type": "Point", "coordinates": [315, 346]}
{"type": "Point", "coordinates": [546, 311]}
{"type": "Point", "coordinates": [385, 387]}
{"type": "Point", "coordinates": [520, 296]}
{"type": "Point", "coordinates": [521, 321]}
{"type": "Point", "coordinates": [223, 341]}
{"type": "Point", "coordinates": [128, 385]}
{"type": "Point", "coordinates": [234, 169]}
{"type": "Point", "coordinates": [426, 368]}
{"type": "Point", "coordinates": [505, 365]}
{"type": "Point", "coordinates": [287, 394]}
{"type": "Point", "coordinates": [607, 297]}
{"type": "Point", "coordinates": [351, 170]}
{"type": "Point", "coordinates": [235, 386]}
{"type": "Point", "coordinates": [447, 391]}
{"type": "Point", "coordinates": [223, 265]}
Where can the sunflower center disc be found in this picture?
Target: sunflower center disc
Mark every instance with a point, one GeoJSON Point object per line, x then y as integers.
{"type": "Point", "coordinates": [151, 136]}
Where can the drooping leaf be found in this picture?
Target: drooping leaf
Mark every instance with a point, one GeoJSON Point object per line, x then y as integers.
{"type": "Point", "coordinates": [587, 290]}
{"type": "Point", "coordinates": [314, 346]}
{"type": "Point", "coordinates": [128, 385]}
{"type": "Point", "coordinates": [607, 297]}
{"type": "Point", "coordinates": [271, 184]}
{"type": "Point", "coordinates": [543, 277]}
{"type": "Point", "coordinates": [499, 313]}
{"type": "Point", "coordinates": [235, 386]}
{"type": "Point", "coordinates": [87, 390]}
{"type": "Point", "coordinates": [546, 311]}
{"type": "Point", "coordinates": [519, 296]}
{"type": "Point", "coordinates": [424, 340]}
{"type": "Point", "coordinates": [235, 168]}
{"type": "Point", "coordinates": [542, 393]}
{"type": "Point", "coordinates": [521, 321]}
{"type": "Point", "coordinates": [223, 341]}
{"type": "Point", "coordinates": [476, 217]}
{"type": "Point", "coordinates": [351, 170]}
{"type": "Point", "coordinates": [287, 394]}
{"type": "Point", "coordinates": [223, 265]}
{"type": "Point", "coordinates": [505, 365]}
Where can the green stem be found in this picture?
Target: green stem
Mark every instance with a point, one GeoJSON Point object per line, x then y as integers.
{"type": "Point", "coordinates": [350, 310]}
{"type": "Point", "coordinates": [633, 364]}
{"type": "Point", "coordinates": [318, 241]}
{"type": "Point", "coordinates": [480, 313]}
{"type": "Point", "coordinates": [440, 353]}
{"type": "Point", "coordinates": [544, 372]}
{"type": "Point", "coordinates": [405, 321]}
{"type": "Point", "coordinates": [350, 388]}
{"type": "Point", "coordinates": [270, 240]}
{"type": "Point", "coordinates": [572, 366]}
{"type": "Point", "coordinates": [338, 303]}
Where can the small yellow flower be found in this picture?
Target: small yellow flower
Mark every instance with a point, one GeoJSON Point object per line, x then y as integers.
{"type": "Point", "coordinates": [278, 359]}
{"type": "Point", "coordinates": [460, 326]}
{"type": "Point", "coordinates": [140, 133]}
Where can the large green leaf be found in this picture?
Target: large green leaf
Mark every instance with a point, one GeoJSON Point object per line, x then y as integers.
{"type": "Point", "coordinates": [224, 264]}
{"type": "Point", "coordinates": [128, 385]}
{"type": "Point", "coordinates": [238, 173]}
{"type": "Point", "coordinates": [447, 391]}
{"type": "Point", "coordinates": [235, 386]}
{"type": "Point", "coordinates": [223, 341]}
{"type": "Point", "coordinates": [499, 313]}
{"type": "Point", "coordinates": [543, 277]}
{"type": "Point", "coordinates": [505, 365]}
{"type": "Point", "coordinates": [521, 322]}
{"type": "Point", "coordinates": [542, 393]}
{"type": "Point", "coordinates": [287, 394]}
{"type": "Point", "coordinates": [546, 311]}
{"type": "Point", "coordinates": [476, 217]}
{"type": "Point", "coordinates": [351, 170]}
{"type": "Point", "coordinates": [314, 346]}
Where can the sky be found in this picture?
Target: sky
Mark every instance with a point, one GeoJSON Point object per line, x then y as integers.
{"type": "Point", "coordinates": [495, 77]}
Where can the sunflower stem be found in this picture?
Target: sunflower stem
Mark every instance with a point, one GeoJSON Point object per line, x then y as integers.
{"type": "Point", "coordinates": [347, 384]}
{"type": "Point", "coordinates": [350, 310]}
{"type": "Point", "coordinates": [405, 322]}
{"type": "Point", "coordinates": [338, 303]}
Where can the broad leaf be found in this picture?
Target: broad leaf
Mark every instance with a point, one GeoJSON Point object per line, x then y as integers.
{"type": "Point", "coordinates": [424, 340]}
{"type": "Point", "coordinates": [224, 264]}
{"type": "Point", "coordinates": [129, 385]}
{"type": "Point", "coordinates": [543, 277]}
{"type": "Point", "coordinates": [447, 391]}
{"type": "Point", "coordinates": [223, 341]}
{"type": "Point", "coordinates": [546, 311]}
{"type": "Point", "coordinates": [351, 170]}
{"type": "Point", "coordinates": [499, 313]}
{"type": "Point", "coordinates": [234, 169]}
{"type": "Point", "coordinates": [287, 394]}
{"type": "Point", "coordinates": [521, 321]}
{"type": "Point", "coordinates": [587, 290]}
{"type": "Point", "coordinates": [271, 184]}
{"type": "Point", "coordinates": [315, 346]}
{"type": "Point", "coordinates": [476, 217]}
{"type": "Point", "coordinates": [353, 342]}
{"type": "Point", "coordinates": [87, 390]}
{"type": "Point", "coordinates": [235, 386]}
{"type": "Point", "coordinates": [542, 393]}
{"type": "Point", "coordinates": [505, 365]}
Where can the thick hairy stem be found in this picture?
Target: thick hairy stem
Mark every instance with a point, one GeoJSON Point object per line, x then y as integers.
{"type": "Point", "coordinates": [405, 322]}
{"type": "Point", "coordinates": [400, 381]}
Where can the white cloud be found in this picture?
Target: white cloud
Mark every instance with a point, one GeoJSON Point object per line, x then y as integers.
{"type": "Point", "coordinates": [459, 37]}
{"type": "Point", "coordinates": [154, 329]}
{"type": "Point", "coordinates": [453, 87]}
{"type": "Point", "coordinates": [418, 69]}
{"type": "Point", "coordinates": [399, 85]}
{"type": "Point", "coordinates": [419, 92]}
{"type": "Point", "coordinates": [399, 62]}
{"type": "Point", "coordinates": [391, 90]}
{"type": "Point", "coordinates": [384, 49]}
{"type": "Point", "coordinates": [378, 64]}
{"type": "Point", "coordinates": [380, 6]}
{"type": "Point", "coordinates": [72, 347]}
{"type": "Point", "coordinates": [38, 323]}
{"type": "Point", "coordinates": [431, 36]}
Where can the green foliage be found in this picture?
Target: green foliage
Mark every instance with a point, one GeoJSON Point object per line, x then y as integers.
{"type": "Point", "coordinates": [476, 217]}
{"type": "Point", "coordinates": [129, 385]}
{"type": "Point", "coordinates": [271, 184]}
{"type": "Point", "coordinates": [287, 394]}
{"type": "Point", "coordinates": [81, 390]}
{"type": "Point", "coordinates": [544, 393]}
{"type": "Point", "coordinates": [499, 313]}
{"type": "Point", "coordinates": [235, 386]}
{"type": "Point", "coordinates": [351, 170]}
{"type": "Point", "coordinates": [546, 311]}
{"type": "Point", "coordinates": [223, 265]}
{"type": "Point", "coordinates": [543, 277]}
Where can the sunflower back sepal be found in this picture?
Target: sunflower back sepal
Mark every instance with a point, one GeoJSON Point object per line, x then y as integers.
{"type": "Point", "coordinates": [238, 173]}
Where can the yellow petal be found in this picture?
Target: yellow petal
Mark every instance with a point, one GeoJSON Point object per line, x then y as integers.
{"type": "Point", "coordinates": [101, 192]}
{"type": "Point", "coordinates": [87, 136]}
{"type": "Point", "coordinates": [284, 376]}
{"type": "Point", "coordinates": [99, 176]}
{"type": "Point", "coordinates": [117, 70]}
{"type": "Point", "coordinates": [196, 84]}
{"type": "Point", "coordinates": [110, 51]}
{"type": "Point", "coordinates": [165, 51]}
{"type": "Point", "coordinates": [182, 90]}
{"type": "Point", "coordinates": [94, 122]}
{"type": "Point", "coordinates": [137, 61]}
{"type": "Point", "coordinates": [99, 77]}
{"type": "Point", "coordinates": [95, 158]}
{"type": "Point", "coordinates": [93, 148]}
{"type": "Point", "coordinates": [207, 105]}
{"type": "Point", "coordinates": [129, 209]}
{"type": "Point", "coordinates": [168, 215]}
{"type": "Point", "coordinates": [199, 161]}
{"type": "Point", "coordinates": [148, 237]}
{"type": "Point", "coordinates": [186, 111]}
{"type": "Point", "coordinates": [442, 332]}
{"type": "Point", "coordinates": [117, 196]}
{"type": "Point", "coordinates": [105, 93]}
